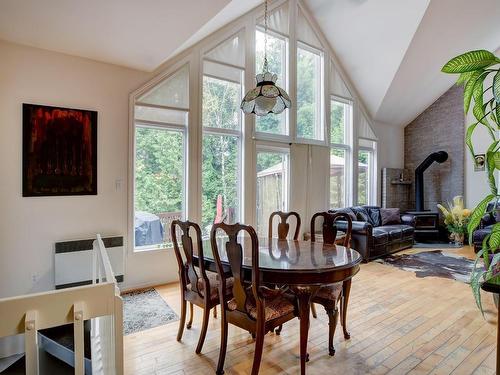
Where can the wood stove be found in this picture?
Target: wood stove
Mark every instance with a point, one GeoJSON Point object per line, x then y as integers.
{"type": "Point", "coordinates": [426, 222]}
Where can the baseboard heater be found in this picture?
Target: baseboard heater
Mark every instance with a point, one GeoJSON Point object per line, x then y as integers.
{"type": "Point", "coordinates": [73, 261]}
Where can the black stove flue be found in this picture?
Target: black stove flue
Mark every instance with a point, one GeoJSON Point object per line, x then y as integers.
{"type": "Point", "coordinates": [439, 157]}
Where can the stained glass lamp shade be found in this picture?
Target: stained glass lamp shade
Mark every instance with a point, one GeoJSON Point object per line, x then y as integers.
{"type": "Point", "coordinates": [266, 97]}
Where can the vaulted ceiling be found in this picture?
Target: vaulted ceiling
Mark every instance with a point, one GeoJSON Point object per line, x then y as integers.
{"type": "Point", "coordinates": [392, 50]}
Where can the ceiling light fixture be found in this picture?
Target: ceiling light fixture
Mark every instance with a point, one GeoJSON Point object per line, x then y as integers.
{"type": "Point", "coordinates": [266, 97]}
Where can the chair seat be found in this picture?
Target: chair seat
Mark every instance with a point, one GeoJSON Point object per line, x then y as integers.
{"type": "Point", "coordinates": [328, 293]}
{"type": "Point", "coordinates": [276, 304]}
{"type": "Point", "coordinates": [214, 281]}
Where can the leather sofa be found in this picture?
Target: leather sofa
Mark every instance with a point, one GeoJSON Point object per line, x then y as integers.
{"type": "Point", "coordinates": [372, 239]}
{"type": "Point", "coordinates": [488, 220]}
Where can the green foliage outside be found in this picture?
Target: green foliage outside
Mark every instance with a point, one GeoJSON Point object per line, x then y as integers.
{"type": "Point", "coordinates": [475, 67]}
{"type": "Point", "coordinates": [307, 100]}
{"type": "Point", "coordinates": [159, 170]}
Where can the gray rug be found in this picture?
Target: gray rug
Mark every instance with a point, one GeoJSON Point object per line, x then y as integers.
{"type": "Point", "coordinates": [432, 263]}
{"type": "Point", "coordinates": [145, 309]}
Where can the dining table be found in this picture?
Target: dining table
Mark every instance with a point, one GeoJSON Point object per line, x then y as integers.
{"type": "Point", "coordinates": [303, 266]}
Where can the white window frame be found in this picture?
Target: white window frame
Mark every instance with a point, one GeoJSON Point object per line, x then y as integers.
{"type": "Point", "coordinates": [346, 147]}
{"type": "Point", "coordinates": [132, 159]}
{"type": "Point", "coordinates": [320, 107]}
{"type": "Point", "coordinates": [208, 130]}
{"type": "Point", "coordinates": [267, 136]}
{"type": "Point", "coordinates": [371, 175]}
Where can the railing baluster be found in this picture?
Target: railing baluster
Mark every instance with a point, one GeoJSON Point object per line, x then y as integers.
{"type": "Point", "coordinates": [79, 338]}
{"type": "Point", "coordinates": [31, 342]}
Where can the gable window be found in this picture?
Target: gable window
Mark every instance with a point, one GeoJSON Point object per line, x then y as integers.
{"type": "Point", "coordinates": [272, 184]}
{"type": "Point", "coordinates": [160, 122]}
{"type": "Point", "coordinates": [340, 150]}
{"type": "Point", "coordinates": [309, 93]}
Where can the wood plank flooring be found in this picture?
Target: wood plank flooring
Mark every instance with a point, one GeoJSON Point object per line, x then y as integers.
{"type": "Point", "coordinates": [399, 324]}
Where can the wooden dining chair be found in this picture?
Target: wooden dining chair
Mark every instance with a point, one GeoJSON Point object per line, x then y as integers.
{"type": "Point", "coordinates": [283, 225]}
{"type": "Point", "coordinates": [329, 296]}
{"type": "Point", "coordinates": [253, 307]}
{"type": "Point", "coordinates": [198, 286]}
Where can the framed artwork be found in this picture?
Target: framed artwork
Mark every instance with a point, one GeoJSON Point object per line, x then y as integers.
{"type": "Point", "coordinates": [479, 162]}
{"type": "Point", "coordinates": [59, 151]}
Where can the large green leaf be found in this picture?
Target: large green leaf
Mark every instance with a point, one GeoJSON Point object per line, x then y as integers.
{"type": "Point", "coordinates": [464, 77]}
{"type": "Point", "coordinates": [477, 214]}
{"type": "Point", "coordinates": [494, 240]}
{"type": "Point", "coordinates": [496, 87]}
{"type": "Point", "coordinates": [475, 280]}
{"type": "Point", "coordinates": [477, 93]}
{"type": "Point", "coordinates": [469, 88]}
{"type": "Point", "coordinates": [469, 61]}
{"type": "Point", "coordinates": [468, 137]}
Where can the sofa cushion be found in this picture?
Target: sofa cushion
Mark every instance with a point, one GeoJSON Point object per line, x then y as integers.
{"type": "Point", "coordinates": [361, 214]}
{"type": "Point", "coordinates": [374, 216]}
{"type": "Point", "coordinates": [380, 236]}
{"type": "Point", "coordinates": [390, 216]}
{"type": "Point", "coordinates": [395, 232]}
{"type": "Point", "coordinates": [347, 211]}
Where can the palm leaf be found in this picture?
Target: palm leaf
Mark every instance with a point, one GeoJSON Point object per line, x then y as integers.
{"type": "Point", "coordinates": [469, 88]}
{"type": "Point", "coordinates": [469, 61]}
{"type": "Point", "coordinates": [464, 77]}
{"type": "Point", "coordinates": [477, 214]}
{"type": "Point", "coordinates": [477, 93]}
{"type": "Point", "coordinates": [496, 87]}
{"type": "Point", "coordinates": [468, 138]}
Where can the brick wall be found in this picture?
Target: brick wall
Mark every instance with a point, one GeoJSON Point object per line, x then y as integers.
{"type": "Point", "coordinates": [439, 127]}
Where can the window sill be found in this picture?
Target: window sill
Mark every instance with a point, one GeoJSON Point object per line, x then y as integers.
{"type": "Point", "coordinates": [151, 249]}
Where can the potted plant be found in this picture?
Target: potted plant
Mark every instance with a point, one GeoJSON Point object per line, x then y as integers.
{"type": "Point", "coordinates": [474, 69]}
{"type": "Point", "coordinates": [456, 218]}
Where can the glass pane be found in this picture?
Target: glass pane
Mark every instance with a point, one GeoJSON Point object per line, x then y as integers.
{"type": "Point", "coordinates": [220, 182]}
{"type": "Point", "coordinates": [337, 178]}
{"type": "Point", "coordinates": [272, 170]}
{"type": "Point", "coordinates": [172, 92]}
{"type": "Point", "coordinates": [221, 103]}
{"type": "Point", "coordinates": [276, 57]}
{"type": "Point", "coordinates": [232, 51]}
{"type": "Point", "coordinates": [309, 95]}
{"type": "Point", "coordinates": [338, 119]}
{"type": "Point", "coordinates": [159, 180]}
{"type": "Point", "coordinates": [364, 161]}
{"type": "Point", "coordinates": [168, 116]}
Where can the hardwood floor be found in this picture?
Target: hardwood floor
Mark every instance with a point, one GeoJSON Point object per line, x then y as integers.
{"type": "Point", "coordinates": [399, 324]}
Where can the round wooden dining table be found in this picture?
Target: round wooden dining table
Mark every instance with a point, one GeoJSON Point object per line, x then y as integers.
{"type": "Point", "coordinates": [302, 265]}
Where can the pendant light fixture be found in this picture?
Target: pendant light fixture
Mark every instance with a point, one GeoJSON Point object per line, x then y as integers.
{"type": "Point", "coordinates": [266, 97]}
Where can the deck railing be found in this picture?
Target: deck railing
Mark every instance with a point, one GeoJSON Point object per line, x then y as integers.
{"type": "Point", "coordinates": [100, 302]}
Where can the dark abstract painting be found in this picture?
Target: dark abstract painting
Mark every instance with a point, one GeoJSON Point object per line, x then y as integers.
{"type": "Point", "coordinates": [59, 151]}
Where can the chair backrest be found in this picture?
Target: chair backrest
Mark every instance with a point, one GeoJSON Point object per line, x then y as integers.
{"type": "Point", "coordinates": [234, 252]}
{"type": "Point", "coordinates": [283, 226]}
{"type": "Point", "coordinates": [330, 228]}
{"type": "Point", "coordinates": [187, 271]}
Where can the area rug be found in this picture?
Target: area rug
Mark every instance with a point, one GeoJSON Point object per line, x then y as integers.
{"type": "Point", "coordinates": [145, 309]}
{"type": "Point", "coordinates": [432, 263]}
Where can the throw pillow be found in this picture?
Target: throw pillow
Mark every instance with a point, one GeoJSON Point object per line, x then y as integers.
{"type": "Point", "coordinates": [361, 214]}
{"type": "Point", "coordinates": [347, 211]}
{"type": "Point", "coordinates": [374, 216]}
{"type": "Point", "coordinates": [390, 216]}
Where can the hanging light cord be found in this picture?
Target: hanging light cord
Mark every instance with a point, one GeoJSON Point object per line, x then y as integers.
{"type": "Point", "coordinates": [265, 67]}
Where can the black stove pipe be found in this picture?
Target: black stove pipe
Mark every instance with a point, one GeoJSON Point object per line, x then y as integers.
{"type": "Point", "coordinates": [439, 157]}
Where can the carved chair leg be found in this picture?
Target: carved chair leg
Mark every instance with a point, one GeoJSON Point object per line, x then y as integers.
{"type": "Point", "coordinates": [259, 346]}
{"type": "Point", "coordinates": [278, 330]}
{"type": "Point", "coordinates": [346, 290]}
{"type": "Point", "coordinates": [215, 312]}
{"type": "Point", "coordinates": [223, 343]}
{"type": "Point", "coordinates": [313, 310]}
{"type": "Point", "coordinates": [203, 332]}
{"type": "Point", "coordinates": [190, 322]}
{"type": "Point", "coordinates": [333, 315]}
{"type": "Point", "coordinates": [182, 322]}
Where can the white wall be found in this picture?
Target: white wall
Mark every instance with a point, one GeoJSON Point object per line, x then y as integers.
{"type": "Point", "coordinates": [390, 145]}
{"type": "Point", "coordinates": [30, 226]}
{"type": "Point", "coordinates": [476, 183]}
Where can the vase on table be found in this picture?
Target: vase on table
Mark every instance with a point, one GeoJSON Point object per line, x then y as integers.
{"type": "Point", "coordinates": [457, 239]}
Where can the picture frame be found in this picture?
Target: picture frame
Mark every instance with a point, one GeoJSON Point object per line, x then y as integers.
{"type": "Point", "coordinates": [59, 151]}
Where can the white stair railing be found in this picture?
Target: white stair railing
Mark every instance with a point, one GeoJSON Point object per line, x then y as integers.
{"type": "Point", "coordinates": [33, 312]}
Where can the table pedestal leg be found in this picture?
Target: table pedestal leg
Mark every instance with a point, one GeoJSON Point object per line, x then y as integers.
{"type": "Point", "coordinates": [304, 296]}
